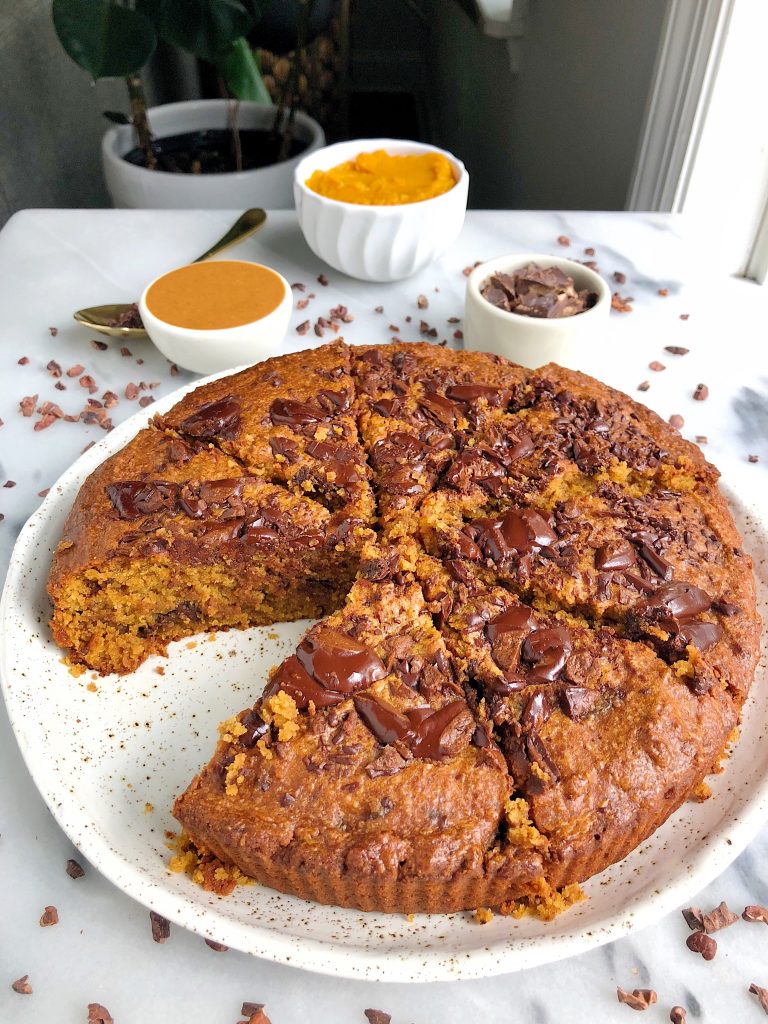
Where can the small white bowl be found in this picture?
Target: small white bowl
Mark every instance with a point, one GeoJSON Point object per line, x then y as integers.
{"type": "Point", "coordinates": [528, 340]}
{"type": "Point", "coordinates": [378, 243]}
{"type": "Point", "coordinates": [209, 351]}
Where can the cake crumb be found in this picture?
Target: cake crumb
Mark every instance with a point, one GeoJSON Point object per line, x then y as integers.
{"type": "Point", "coordinates": [483, 915]}
{"type": "Point", "coordinates": [282, 712]}
{"type": "Point", "coordinates": [546, 903]}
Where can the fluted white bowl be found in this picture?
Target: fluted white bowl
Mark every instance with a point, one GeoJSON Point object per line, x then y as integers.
{"type": "Point", "coordinates": [378, 243]}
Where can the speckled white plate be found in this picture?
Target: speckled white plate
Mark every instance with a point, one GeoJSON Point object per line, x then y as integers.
{"type": "Point", "coordinates": [110, 760]}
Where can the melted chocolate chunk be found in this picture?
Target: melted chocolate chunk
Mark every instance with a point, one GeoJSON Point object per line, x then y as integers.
{"type": "Point", "coordinates": [518, 532]}
{"type": "Point", "coordinates": [677, 601]}
{"type": "Point", "coordinates": [133, 499]}
{"type": "Point", "coordinates": [386, 724]}
{"type": "Point", "coordinates": [617, 555]}
{"type": "Point", "coordinates": [701, 634]}
{"type": "Point", "coordinates": [658, 564]}
{"type": "Point", "coordinates": [440, 409]}
{"type": "Point", "coordinates": [338, 662]}
{"type": "Point", "coordinates": [442, 733]}
{"type": "Point", "coordinates": [295, 414]}
{"type": "Point", "coordinates": [518, 618]}
{"type": "Point", "coordinates": [299, 684]}
{"type": "Point", "coordinates": [255, 728]}
{"type": "Point", "coordinates": [468, 393]}
{"type": "Point", "coordinates": [285, 447]}
{"type": "Point", "coordinates": [547, 650]}
{"type": "Point", "coordinates": [577, 701]}
{"type": "Point", "coordinates": [215, 419]}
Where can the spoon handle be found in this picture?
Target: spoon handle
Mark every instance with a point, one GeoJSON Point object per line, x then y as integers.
{"type": "Point", "coordinates": [243, 227]}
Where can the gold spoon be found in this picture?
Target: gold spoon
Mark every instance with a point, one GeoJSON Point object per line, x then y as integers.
{"type": "Point", "coordinates": [102, 318]}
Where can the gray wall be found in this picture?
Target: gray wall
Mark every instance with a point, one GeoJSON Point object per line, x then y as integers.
{"type": "Point", "coordinates": [50, 113]}
{"type": "Point", "coordinates": [564, 131]}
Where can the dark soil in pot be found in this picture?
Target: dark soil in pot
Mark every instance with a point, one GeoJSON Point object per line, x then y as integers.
{"type": "Point", "coordinates": [211, 151]}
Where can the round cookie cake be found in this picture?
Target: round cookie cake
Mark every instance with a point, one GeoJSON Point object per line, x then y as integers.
{"type": "Point", "coordinates": [537, 625]}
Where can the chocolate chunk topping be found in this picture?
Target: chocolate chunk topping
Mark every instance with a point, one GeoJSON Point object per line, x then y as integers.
{"type": "Point", "coordinates": [386, 724]}
{"type": "Point", "coordinates": [577, 701]}
{"type": "Point", "coordinates": [701, 634]}
{"type": "Point", "coordinates": [615, 556]}
{"type": "Point", "coordinates": [295, 414]}
{"type": "Point", "coordinates": [547, 650]}
{"type": "Point", "coordinates": [518, 618]}
{"type": "Point", "coordinates": [215, 419]}
{"type": "Point", "coordinates": [519, 531]}
{"type": "Point", "coordinates": [659, 565]}
{"type": "Point", "coordinates": [133, 499]}
{"type": "Point", "coordinates": [338, 662]}
{"type": "Point", "coordinates": [285, 447]}
{"type": "Point", "coordinates": [468, 393]}
{"type": "Point", "coordinates": [299, 684]}
{"type": "Point", "coordinates": [426, 733]}
{"type": "Point", "coordinates": [255, 727]}
{"type": "Point", "coordinates": [679, 601]}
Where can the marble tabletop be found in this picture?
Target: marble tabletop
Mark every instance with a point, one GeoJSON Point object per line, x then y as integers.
{"type": "Point", "coordinates": [52, 262]}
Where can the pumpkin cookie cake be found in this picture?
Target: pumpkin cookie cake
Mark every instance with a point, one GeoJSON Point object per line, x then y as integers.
{"type": "Point", "coordinates": [537, 625]}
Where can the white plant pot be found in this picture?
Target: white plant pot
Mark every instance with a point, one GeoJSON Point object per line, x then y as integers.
{"type": "Point", "coordinates": [137, 188]}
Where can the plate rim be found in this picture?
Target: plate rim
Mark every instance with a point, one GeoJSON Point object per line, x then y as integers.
{"type": "Point", "coordinates": [724, 842]}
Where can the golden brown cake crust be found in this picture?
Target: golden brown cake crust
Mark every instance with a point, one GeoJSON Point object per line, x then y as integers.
{"type": "Point", "coordinates": [550, 635]}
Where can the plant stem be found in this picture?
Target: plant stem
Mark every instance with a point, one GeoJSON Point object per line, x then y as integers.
{"type": "Point", "coordinates": [140, 120]}
{"type": "Point", "coordinates": [291, 85]}
{"type": "Point", "coordinates": [233, 108]}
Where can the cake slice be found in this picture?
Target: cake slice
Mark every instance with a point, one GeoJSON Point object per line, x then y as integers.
{"type": "Point", "coordinates": [361, 777]}
{"type": "Point", "coordinates": [167, 539]}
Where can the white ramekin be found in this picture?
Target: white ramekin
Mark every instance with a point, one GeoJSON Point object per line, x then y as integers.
{"type": "Point", "coordinates": [378, 243]}
{"type": "Point", "coordinates": [212, 350]}
{"type": "Point", "coordinates": [527, 340]}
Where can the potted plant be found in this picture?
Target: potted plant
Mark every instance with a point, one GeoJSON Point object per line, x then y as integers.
{"type": "Point", "coordinates": [204, 154]}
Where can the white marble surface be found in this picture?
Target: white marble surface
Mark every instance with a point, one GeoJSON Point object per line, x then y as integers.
{"type": "Point", "coordinates": [52, 262]}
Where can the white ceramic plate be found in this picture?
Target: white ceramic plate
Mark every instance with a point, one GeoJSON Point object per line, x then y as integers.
{"type": "Point", "coordinates": [103, 758]}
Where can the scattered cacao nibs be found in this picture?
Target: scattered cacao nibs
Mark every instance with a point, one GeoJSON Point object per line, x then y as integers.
{"type": "Point", "coordinates": [125, 352]}
{"type": "Point", "coordinates": [319, 329]}
{"type": "Point", "coordinates": [393, 327]}
{"type": "Point", "coordinates": [76, 370]}
{"type": "Point", "coordinates": [637, 999]}
{"type": "Point", "coordinates": [761, 993]}
{"type": "Point", "coordinates": [458, 335]}
{"type": "Point", "coordinates": [619, 278]}
{"type": "Point", "coordinates": [676, 421]}
{"type": "Point", "coordinates": [60, 386]}
{"type": "Point", "coordinates": [100, 346]}
{"type": "Point", "coordinates": [174, 370]}
{"type": "Point", "coordinates": [74, 868]}
{"type": "Point", "coordinates": [9, 483]}
{"type": "Point", "coordinates": [139, 362]}
{"type": "Point", "coordinates": [44, 422]}
{"type": "Point", "coordinates": [701, 439]}
{"type": "Point", "coordinates": [341, 313]}
{"type": "Point", "coordinates": [677, 1015]}
{"type": "Point", "coordinates": [454, 320]}
{"type": "Point", "coordinates": [2, 516]}
{"type": "Point", "coordinates": [663, 292]}
{"type": "Point", "coordinates": [408, 319]}
{"type": "Point", "coordinates": [721, 917]}
{"type": "Point", "coordinates": [54, 331]}
{"type": "Point", "coordinates": [44, 493]}
{"type": "Point", "coordinates": [684, 316]}
{"type": "Point", "coordinates": [161, 927]}
{"type": "Point", "coordinates": [422, 302]}
{"type": "Point", "coordinates": [378, 309]}
{"type": "Point", "coordinates": [50, 917]}
{"type": "Point", "coordinates": [563, 240]}
{"type": "Point", "coordinates": [302, 304]}
{"type": "Point", "coordinates": [110, 399]}
{"type": "Point", "coordinates": [146, 400]}
{"type": "Point", "coordinates": [89, 445]}
{"type": "Point", "coordinates": [98, 1014]}
{"type": "Point", "coordinates": [700, 942]}
{"type": "Point", "coordinates": [298, 286]}
{"type": "Point", "coordinates": [377, 1016]}
{"type": "Point", "coordinates": [677, 350]}
{"type": "Point", "coordinates": [22, 986]}
{"type": "Point", "coordinates": [87, 381]}
{"type": "Point", "coordinates": [323, 280]}
{"type": "Point", "coordinates": [131, 391]}
{"type": "Point", "coordinates": [217, 947]}
{"type": "Point", "coordinates": [28, 405]}
{"type": "Point", "coordinates": [23, 361]}
{"type": "Point", "coordinates": [468, 270]}
{"type": "Point", "coordinates": [755, 912]}
{"type": "Point", "coordinates": [693, 918]}
{"type": "Point", "coordinates": [589, 251]}
{"type": "Point", "coordinates": [248, 1009]}
{"type": "Point", "coordinates": [701, 393]}
{"type": "Point", "coordinates": [643, 385]}
{"type": "Point", "coordinates": [753, 458]}
{"type": "Point", "coordinates": [621, 304]}
{"type": "Point", "coordinates": [303, 328]}
{"type": "Point", "coordinates": [656, 366]}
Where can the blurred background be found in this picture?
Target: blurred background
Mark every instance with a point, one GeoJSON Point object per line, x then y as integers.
{"type": "Point", "coordinates": [552, 104]}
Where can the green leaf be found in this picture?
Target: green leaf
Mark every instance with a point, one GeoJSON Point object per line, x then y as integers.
{"type": "Point", "coordinates": [107, 41]}
{"type": "Point", "coordinates": [205, 28]}
{"type": "Point", "coordinates": [240, 70]}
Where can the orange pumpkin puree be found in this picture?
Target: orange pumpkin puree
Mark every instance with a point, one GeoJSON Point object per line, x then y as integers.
{"type": "Point", "coordinates": [383, 179]}
{"type": "Point", "coordinates": [215, 295]}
